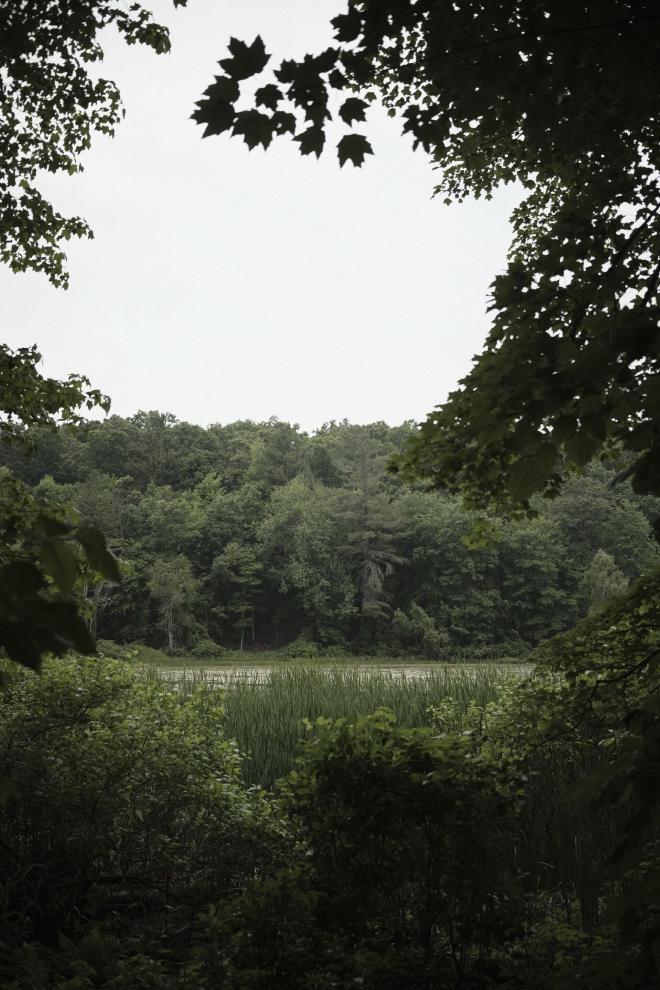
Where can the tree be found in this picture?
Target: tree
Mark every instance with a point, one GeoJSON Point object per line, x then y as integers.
{"type": "Point", "coordinates": [561, 98]}
{"type": "Point", "coordinates": [603, 579]}
{"type": "Point", "coordinates": [302, 544]}
{"type": "Point", "coordinates": [276, 457]}
{"type": "Point", "coordinates": [237, 573]}
{"type": "Point", "coordinates": [42, 552]}
{"type": "Point", "coordinates": [51, 105]}
{"type": "Point", "coordinates": [370, 520]}
{"type": "Point", "coordinates": [175, 590]}
{"type": "Point", "coordinates": [28, 400]}
{"type": "Point", "coordinates": [592, 513]}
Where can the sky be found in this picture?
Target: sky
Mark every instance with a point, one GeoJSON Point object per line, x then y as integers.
{"type": "Point", "coordinates": [224, 284]}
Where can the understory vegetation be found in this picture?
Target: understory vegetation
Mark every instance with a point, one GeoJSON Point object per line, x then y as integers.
{"type": "Point", "coordinates": [260, 535]}
{"type": "Point", "coordinates": [422, 845]}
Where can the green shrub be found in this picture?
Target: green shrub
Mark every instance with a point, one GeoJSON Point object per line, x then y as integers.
{"type": "Point", "coordinates": [406, 872]}
{"type": "Point", "coordinates": [416, 632]}
{"type": "Point", "coordinates": [207, 649]}
{"type": "Point", "coordinates": [300, 649]}
{"type": "Point", "coordinates": [130, 806]}
{"type": "Point", "coordinates": [113, 651]}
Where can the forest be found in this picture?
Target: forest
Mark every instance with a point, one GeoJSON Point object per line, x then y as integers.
{"type": "Point", "coordinates": [257, 535]}
{"type": "Point", "coordinates": [446, 774]}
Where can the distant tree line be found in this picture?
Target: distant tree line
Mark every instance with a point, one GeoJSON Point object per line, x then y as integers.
{"type": "Point", "coordinates": [259, 534]}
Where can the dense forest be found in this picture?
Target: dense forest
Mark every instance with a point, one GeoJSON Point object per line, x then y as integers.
{"type": "Point", "coordinates": [259, 534]}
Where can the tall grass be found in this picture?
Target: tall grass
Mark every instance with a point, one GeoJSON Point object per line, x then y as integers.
{"type": "Point", "coordinates": [266, 713]}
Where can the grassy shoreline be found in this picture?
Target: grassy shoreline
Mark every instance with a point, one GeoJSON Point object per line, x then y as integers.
{"type": "Point", "coordinates": [269, 711]}
{"type": "Point", "coordinates": [149, 656]}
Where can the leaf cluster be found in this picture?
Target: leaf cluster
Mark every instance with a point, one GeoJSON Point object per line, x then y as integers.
{"type": "Point", "coordinates": [51, 104]}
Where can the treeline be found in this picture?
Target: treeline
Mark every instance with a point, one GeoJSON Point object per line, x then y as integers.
{"type": "Point", "coordinates": [259, 534]}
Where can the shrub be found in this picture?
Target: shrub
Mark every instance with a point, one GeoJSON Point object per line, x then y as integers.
{"type": "Point", "coordinates": [207, 649]}
{"type": "Point", "coordinates": [130, 805]}
{"type": "Point", "coordinates": [300, 649]}
{"type": "Point", "coordinates": [113, 651]}
{"type": "Point", "coordinates": [417, 633]}
{"type": "Point", "coordinates": [405, 874]}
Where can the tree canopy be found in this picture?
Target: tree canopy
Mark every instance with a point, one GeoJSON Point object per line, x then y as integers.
{"type": "Point", "coordinates": [561, 98]}
{"type": "Point", "coordinates": [50, 105]}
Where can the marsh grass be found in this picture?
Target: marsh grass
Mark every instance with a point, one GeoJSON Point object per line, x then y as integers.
{"type": "Point", "coordinates": [267, 712]}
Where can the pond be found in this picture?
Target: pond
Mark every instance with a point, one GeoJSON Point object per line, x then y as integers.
{"type": "Point", "coordinates": [255, 672]}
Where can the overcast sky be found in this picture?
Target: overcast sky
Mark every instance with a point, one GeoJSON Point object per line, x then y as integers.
{"type": "Point", "coordinates": [225, 284]}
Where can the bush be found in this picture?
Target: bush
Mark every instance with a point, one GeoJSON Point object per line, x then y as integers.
{"type": "Point", "coordinates": [300, 649]}
{"type": "Point", "coordinates": [336, 652]}
{"type": "Point", "coordinates": [405, 876]}
{"type": "Point", "coordinates": [207, 649]}
{"type": "Point", "coordinates": [417, 633]}
{"type": "Point", "coordinates": [130, 808]}
{"type": "Point", "coordinates": [113, 651]}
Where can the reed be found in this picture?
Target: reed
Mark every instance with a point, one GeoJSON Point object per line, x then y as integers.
{"type": "Point", "coordinates": [266, 712]}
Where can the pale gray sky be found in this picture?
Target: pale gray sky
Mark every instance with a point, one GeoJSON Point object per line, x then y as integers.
{"type": "Point", "coordinates": [225, 284]}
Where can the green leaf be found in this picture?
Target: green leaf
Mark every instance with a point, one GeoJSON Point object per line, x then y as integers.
{"type": "Point", "coordinates": [96, 551]}
{"type": "Point", "coordinates": [20, 579]}
{"type": "Point", "coordinates": [337, 79]}
{"type": "Point", "coordinates": [531, 471]}
{"type": "Point", "coordinates": [581, 448]}
{"type": "Point", "coordinates": [353, 147]}
{"type": "Point", "coordinates": [256, 128]}
{"type": "Point", "coordinates": [268, 96]}
{"type": "Point", "coordinates": [353, 109]}
{"type": "Point", "coordinates": [311, 141]}
{"type": "Point", "coordinates": [347, 26]}
{"type": "Point", "coordinates": [216, 114]}
{"type": "Point", "coordinates": [52, 527]}
{"type": "Point", "coordinates": [224, 89]}
{"type": "Point", "coordinates": [246, 60]}
{"type": "Point", "coordinates": [284, 123]}
{"type": "Point", "coordinates": [59, 560]}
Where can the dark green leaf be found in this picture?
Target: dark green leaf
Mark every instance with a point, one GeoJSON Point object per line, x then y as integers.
{"type": "Point", "coordinates": [268, 96]}
{"type": "Point", "coordinates": [94, 544]}
{"type": "Point", "coordinates": [311, 141]}
{"type": "Point", "coordinates": [256, 128]}
{"type": "Point", "coordinates": [246, 60]}
{"type": "Point", "coordinates": [59, 560]}
{"type": "Point", "coordinates": [225, 89]}
{"type": "Point", "coordinates": [353, 147]}
{"type": "Point", "coordinates": [530, 473]}
{"type": "Point", "coordinates": [216, 114]}
{"type": "Point", "coordinates": [352, 109]}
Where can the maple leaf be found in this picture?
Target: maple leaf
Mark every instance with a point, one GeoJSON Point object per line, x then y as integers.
{"type": "Point", "coordinates": [223, 88]}
{"type": "Point", "coordinates": [347, 26]}
{"type": "Point", "coordinates": [256, 128]}
{"type": "Point", "coordinates": [218, 115]}
{"type": "Point", "coordinates": [287, 71]}
{"type": "Point", "coordinates": [353, 147]}
{"type": "Point", "coordinates": [311, 141]}
{"type": "Point", "coordinates": [337, 79]}
{"type": "Point", "coordinates": [352, 109]}
{"type": "Point", "coordinates": [246, 60]}
{"type": "Point", "coordinates": [284, 123]}
{"type": "Point", "coordinates": [268, 96]}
